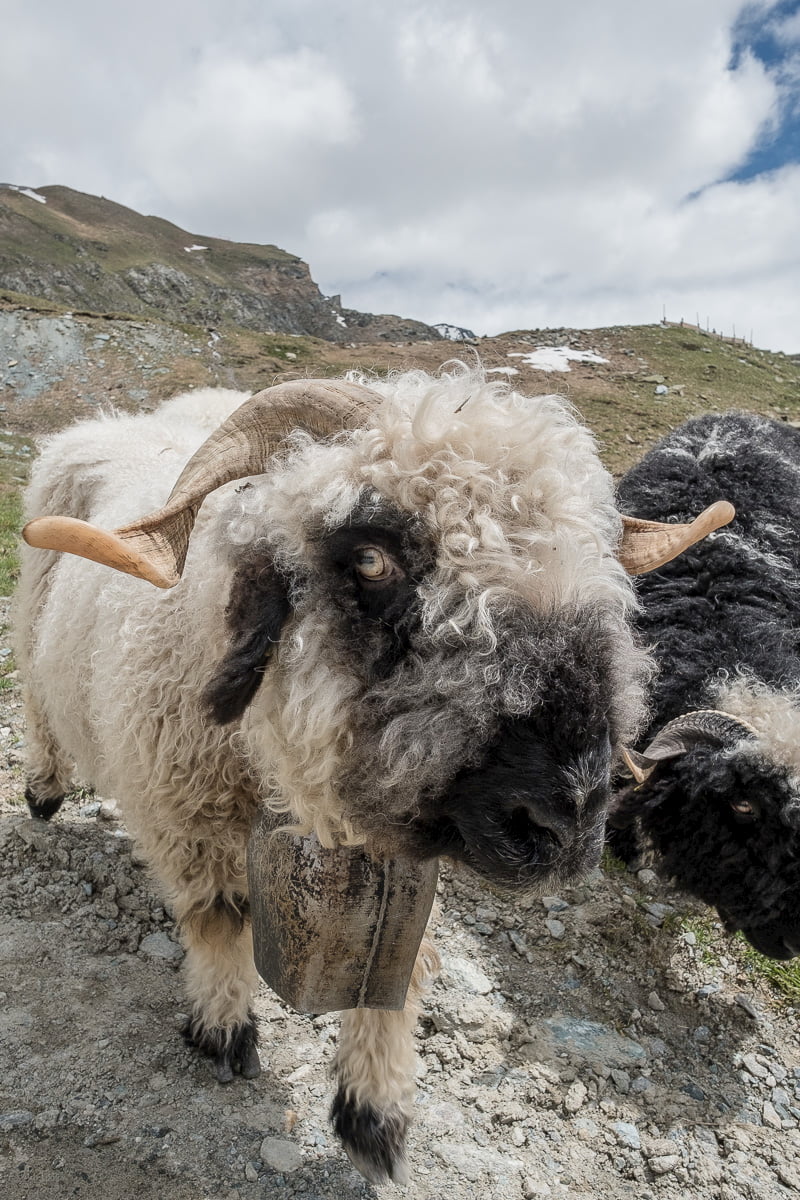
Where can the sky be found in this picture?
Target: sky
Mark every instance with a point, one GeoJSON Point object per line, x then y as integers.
{"type": "Point", "coordinates": [501, 166]}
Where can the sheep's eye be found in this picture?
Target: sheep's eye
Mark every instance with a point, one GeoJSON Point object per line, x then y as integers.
{"type": "Point", "coordinates": [372, 564]}
{"type": "Point", "coordinates": [743, 808]}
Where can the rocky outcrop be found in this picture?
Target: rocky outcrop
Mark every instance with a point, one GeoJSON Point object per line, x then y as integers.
{"type": "Point", "coordinates": [87, 252]}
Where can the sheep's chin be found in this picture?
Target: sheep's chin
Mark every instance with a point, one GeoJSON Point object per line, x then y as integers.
{"type": "Point", "coordinates": [531, 864]}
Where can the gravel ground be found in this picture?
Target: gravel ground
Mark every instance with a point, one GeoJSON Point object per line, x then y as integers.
{"type": "Point", "coordinates": [56, 369]}
{"type": "Point", "coordinates": [601, 1043]}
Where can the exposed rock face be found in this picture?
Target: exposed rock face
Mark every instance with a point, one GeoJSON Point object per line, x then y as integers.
{"type": "Point", "coordinates": [93, 254]}
{"type": "Point", "coordinates": [455, 333]}
{"type": "Point", "coordinates": [385, 326]}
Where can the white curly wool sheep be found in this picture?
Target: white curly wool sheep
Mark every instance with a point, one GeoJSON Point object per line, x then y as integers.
{"type": "Point", "coordinates": [411, 634]}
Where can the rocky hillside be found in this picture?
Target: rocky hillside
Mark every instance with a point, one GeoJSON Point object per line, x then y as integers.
{"type": "Point", "coordinates": [630, 384]}
{"type": "Point", "coordinates": [90, 253]}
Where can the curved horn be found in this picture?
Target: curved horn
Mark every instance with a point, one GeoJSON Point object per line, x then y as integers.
{"type": "Point", "coordinates": [709, 725]}
{"type": "Point", "coordinates": [154, 547]}
{"type": "Point", "coordinates": [646, 545]}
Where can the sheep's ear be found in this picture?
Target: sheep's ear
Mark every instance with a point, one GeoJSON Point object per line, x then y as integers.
{"type": "Point", "coordinates": [258, 606]}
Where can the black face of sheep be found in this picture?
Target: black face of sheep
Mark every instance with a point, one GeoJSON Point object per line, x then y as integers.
{"type": "Point", "coordinates": [532, 812]}
{"type": "Point", "coordinates": [739, 843]}
{"type": "Point", "coordinates": [718, 798]}
{"type": "Point", "coordinates": [512, 746]}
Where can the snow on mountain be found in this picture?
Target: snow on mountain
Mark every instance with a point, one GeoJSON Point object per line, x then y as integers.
{"type": "Point", "coordinates": [556, 358]}
{"type": "Point", "coordinates": [455, 333]}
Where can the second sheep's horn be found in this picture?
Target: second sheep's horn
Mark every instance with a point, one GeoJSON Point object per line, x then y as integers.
{"type": "Point", "coordinates": [703, 726]}
{"type": "Point", "coordinates": [154, 547]}
{"type": "Point", "coordinates": [647, 545]}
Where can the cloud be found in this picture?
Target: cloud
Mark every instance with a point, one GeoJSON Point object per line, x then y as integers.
{"type": "Point", "coordinates": [270, 128]}
{"type": "Point", "coordinates": [498, 166]}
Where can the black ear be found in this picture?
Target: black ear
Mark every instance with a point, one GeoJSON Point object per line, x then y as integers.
{"type": "Point", "coordinates": [258, 605]}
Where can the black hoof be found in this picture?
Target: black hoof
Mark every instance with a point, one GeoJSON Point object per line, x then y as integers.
{"type": "Point", "coordinates": [375, 1141]}
{"type": "Point", "coordinates": [42, 810]}
{"type": "Point", "coordinates": [234, 1051]}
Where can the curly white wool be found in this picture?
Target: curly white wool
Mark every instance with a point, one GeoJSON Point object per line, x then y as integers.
{"type": "Point", "coordinates": [512, 496]}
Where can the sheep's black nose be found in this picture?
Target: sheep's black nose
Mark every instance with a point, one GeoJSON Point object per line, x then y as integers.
{"type": "Point", "coordinates": [774, 943]}
{"type": "Point", "coordinates": [530, 818]}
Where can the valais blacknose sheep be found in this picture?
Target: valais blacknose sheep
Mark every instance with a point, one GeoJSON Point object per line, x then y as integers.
{"type": "Point", "coordinates": [402, 622]}
{"type": "Point", "coordinates": [719, 797]}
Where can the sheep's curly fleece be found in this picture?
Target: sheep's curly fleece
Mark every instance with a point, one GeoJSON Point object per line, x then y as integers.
{"type": "Point", "coordinates": [520, 507]}
{"type": "Point", "coordinates": [521, 521]}
{"type": "Point", "coordinates": [723, 622]}
{"type": "Point", "coordinates": [728, 604]}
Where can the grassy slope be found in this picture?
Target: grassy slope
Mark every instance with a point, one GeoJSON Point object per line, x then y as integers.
{"type": "Point", "coordinates": [617, 400]}
{"type": "Point", "coordinates": [72, 229]}
{"type": "Point", "coordinates": [117, 237]}
{"type": "Point", "coordinates": [703, 374]}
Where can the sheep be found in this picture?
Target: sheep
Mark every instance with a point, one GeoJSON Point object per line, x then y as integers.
{"type": "Point", "coordinates": [718, 797]}
{"type": "Point", "coordinates": [403, 622]}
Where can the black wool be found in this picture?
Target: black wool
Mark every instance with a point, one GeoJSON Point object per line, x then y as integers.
{"type": "Point", "coordinates": [723, 820]}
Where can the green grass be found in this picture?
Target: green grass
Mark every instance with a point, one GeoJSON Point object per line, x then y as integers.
{"type": "Point", "coordinates": [705, 937]}
{"type": "Point", "coordinates": [713, 374]}
{"type": "Point", "coordinates": [612, 865]}
{"type": "Point", "coordinates": [16, 454]}
{"type": "Point", "coordinates": [10, 524]}
{"type": "Point", "coordinates": [783, 976]}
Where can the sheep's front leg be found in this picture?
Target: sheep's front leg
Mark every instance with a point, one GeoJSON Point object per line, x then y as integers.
{"type": "Point", "coordinates": [374, 1072]}
{"type": "Point", "coordinates": [48, 770]}
{"type": "Point", "coordinates": [221, 981]}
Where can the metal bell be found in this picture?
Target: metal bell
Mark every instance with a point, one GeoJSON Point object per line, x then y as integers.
{"type": "Point", "coordinates": [335, 929]}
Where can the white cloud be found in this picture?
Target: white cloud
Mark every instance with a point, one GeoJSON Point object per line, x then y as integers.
{"type": "Point", "coordinates": [495, 166]}
{"type": "Point", "coordinates": [438, 53]}
{"type": "Point", "coordinates": [264, 127]}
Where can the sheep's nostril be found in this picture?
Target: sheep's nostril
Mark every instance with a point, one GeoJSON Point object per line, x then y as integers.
{"type": "Point", "coordinates": [527, 822]}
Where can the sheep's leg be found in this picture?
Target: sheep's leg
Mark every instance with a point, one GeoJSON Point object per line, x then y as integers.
{"type": "Point", "coordinates": [221, 981]}
{"type": "Point", "coordinates": [48, 773]}
{"type": "Point", "coordinates": [374, 1072]}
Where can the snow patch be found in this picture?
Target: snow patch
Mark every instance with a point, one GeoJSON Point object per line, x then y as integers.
{"type": "Point", "coordinates": [556, 358]}
{"type": "Point", "coordinates": [189, 249]}
{"type": "Point", "coordinates": [502, 371]}
{"type": "Point", "coordinates": [28, 192]}
{"type": "Point", "coordinates": [339, 318]}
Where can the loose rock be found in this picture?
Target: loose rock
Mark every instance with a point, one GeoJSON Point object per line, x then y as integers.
{"type": "Point", "coordinates": [575, 1097]}
{"type": "Point", "coordinates": [281, 1155]}
{"type": "Point", "coordinates": [661, 1164]}
{"type": "Point", "coordinates": [627, 1134]}
{"type": "Point", "coordinates": [160, 945]}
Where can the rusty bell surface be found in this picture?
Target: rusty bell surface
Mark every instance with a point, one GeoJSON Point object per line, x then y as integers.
{"type": "Point", "coordinates": [334, 929]}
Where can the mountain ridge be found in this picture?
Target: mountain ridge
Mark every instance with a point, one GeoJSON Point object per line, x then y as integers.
{"type": "Point", "coordinates": [84, 250]}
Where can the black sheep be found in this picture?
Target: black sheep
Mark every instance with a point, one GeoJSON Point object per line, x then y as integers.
{"type": "Point", "coordinates": [718, 797]}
